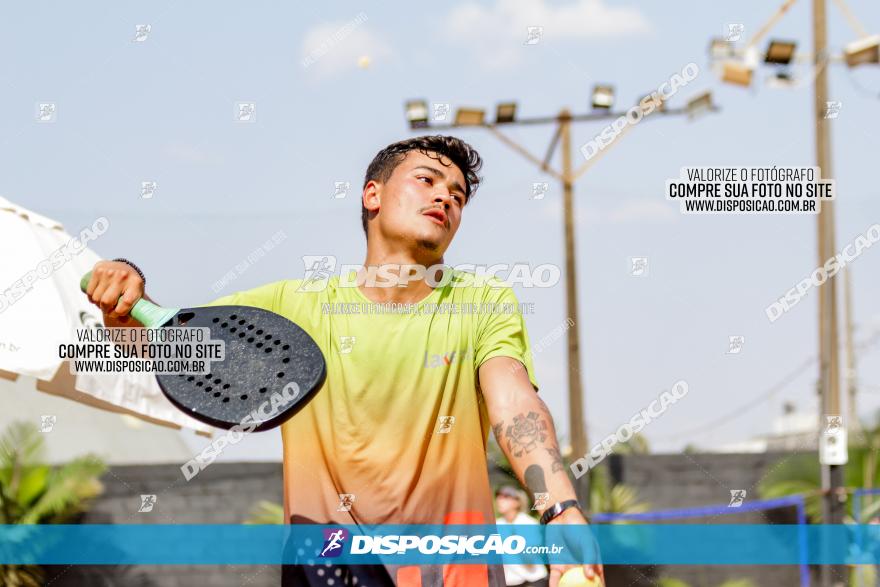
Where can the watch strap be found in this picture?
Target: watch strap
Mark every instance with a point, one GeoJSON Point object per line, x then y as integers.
{"type": "Point", "coordinates": [557, 508]}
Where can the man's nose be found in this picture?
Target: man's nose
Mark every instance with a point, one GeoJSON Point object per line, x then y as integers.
{"type": "Point", "coordinates": [443, 198]}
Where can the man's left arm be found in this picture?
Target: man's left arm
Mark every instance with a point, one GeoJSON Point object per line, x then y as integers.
{"type": "Point", "coordinates": [524, 429]}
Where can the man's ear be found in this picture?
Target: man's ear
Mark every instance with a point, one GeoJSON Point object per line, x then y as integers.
{"type": "Point", "coordinates": [372, 196]}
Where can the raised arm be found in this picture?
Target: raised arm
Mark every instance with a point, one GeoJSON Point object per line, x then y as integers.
{"type": "Point", "coordinates": [524, 429]}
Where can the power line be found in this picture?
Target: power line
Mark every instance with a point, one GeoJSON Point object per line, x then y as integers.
{"type": "Point", "coordinates": [770, 392]}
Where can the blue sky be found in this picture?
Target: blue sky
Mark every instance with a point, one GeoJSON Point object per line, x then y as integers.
{"type": "Point", "coordinates": [162, 110]}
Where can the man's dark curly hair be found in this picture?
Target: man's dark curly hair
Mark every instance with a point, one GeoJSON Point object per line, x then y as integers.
{"type": "Point", "coordinates": [456, 150]}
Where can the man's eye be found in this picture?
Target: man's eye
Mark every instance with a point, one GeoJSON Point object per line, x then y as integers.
{"type": "Point", "coordinates": [428, 179]}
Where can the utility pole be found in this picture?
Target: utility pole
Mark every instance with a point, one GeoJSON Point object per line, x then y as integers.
{"type": "Point", "coordinates": [577, 425]}
{"type": "Point", "coordinates": [851, 383]}
{"type": "Point", "coordinates": [832, 425]}
{"type": "Point", "coordinates": [829, 378]}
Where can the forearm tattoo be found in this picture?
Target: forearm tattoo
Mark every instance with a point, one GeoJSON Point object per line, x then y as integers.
{"type": "Point", "coordinates": [557, 460]}
{"type": "Point", "coordinates": [528, 432]}
{"type": "Point", "coordinates": [525, 433]}
{"type": "Point", "coordinates": [534, 478]}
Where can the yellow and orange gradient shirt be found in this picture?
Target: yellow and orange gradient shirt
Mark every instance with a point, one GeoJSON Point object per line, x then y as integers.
{"type": "Point", "coordinates": [397, 433]}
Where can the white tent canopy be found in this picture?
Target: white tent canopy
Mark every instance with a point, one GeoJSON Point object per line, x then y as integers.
{"type": "Point", "coordinates": [41, 306]}
{"type": "Point", "coordinates": [73, 429]}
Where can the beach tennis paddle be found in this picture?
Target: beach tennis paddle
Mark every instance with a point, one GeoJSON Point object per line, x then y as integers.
{"type": "Point", "coordinates": [264, 352]}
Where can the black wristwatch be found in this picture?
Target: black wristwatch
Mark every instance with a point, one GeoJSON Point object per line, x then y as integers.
{"type": "Point", "coordinates": [133, 266]}
{"type": "Point", "coordinates": [557, 508]}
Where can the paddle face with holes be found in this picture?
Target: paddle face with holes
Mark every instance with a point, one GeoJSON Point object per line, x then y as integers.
{"type": "Point", "coordinates": [264, 353]}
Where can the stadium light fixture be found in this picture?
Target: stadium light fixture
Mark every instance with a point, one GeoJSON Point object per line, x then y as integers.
{"type": "Point", "coordinates": [417, 113]}
{"type": "Point", "coordinates": [506, 112]}
{"type": "Point", "coordinates": [470, 117]}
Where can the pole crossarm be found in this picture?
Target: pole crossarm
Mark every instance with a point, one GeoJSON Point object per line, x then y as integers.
{"type": "Point", "coordinates": [552, 147]}
{"type": "Point", "coordinates": [592, 160]}
{"type": "Point", "coordinates": [770, 23]}
{"type": "Point", "coordinates": [853, 22]}
{"type": "Point", "coordinates": [587, 117]}
{"type": "Point", "coordinates": [558, 119]}
{"type": "Point", "coordinates": [522, 151]}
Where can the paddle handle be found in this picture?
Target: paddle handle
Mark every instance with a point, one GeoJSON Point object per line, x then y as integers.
{"type": "Point", "coordinates": [144, 311]}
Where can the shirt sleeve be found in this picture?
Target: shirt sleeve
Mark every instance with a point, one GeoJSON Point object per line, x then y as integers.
{"type": "Point", "coordinates": [265, 297]}
{"type": "Point", "coordinates": [501, 331]}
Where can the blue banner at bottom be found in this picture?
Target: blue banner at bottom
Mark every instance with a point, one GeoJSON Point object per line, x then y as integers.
{"type": "Point", "coordinates": [667, 544]}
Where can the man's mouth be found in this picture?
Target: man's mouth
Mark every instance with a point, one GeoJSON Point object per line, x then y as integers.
{"type": "Point", "coordinates": [437, 215]}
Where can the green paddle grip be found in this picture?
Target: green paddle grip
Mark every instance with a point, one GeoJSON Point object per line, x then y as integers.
{"type": "Point", "coordinates": [144, 311]}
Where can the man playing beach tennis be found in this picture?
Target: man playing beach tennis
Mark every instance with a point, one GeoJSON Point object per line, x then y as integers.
{"type": "Point", "coordinates": [397, 434]}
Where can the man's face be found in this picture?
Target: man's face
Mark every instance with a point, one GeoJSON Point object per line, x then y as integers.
{"type": "Point", "coordinates": [421, 203]}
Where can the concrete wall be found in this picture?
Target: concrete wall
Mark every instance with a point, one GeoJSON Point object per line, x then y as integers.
{"type": "Point", "coordinates": [224, 493]}
{"type": "Point", "coordinates": [227, 492]}
{"type": "Point", "coordinates": [682, 481]}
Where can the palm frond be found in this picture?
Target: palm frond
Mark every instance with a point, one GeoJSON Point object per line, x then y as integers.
{"type": "Point", "coordinates": [21, 444]}
{"type": "Point", "coordinates": [67, 488]}
{"type": "Point", "coordinates": [21, 575]}
{"type": "Point", "coordinates": [636, 445]}
{"type": "Point", "coordinates": [738, 583]}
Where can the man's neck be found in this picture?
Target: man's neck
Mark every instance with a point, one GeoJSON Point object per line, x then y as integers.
{"type": "Point", "coordinates": [398, 282]}
{"type": "Point", "coordinates": [510, 517]}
